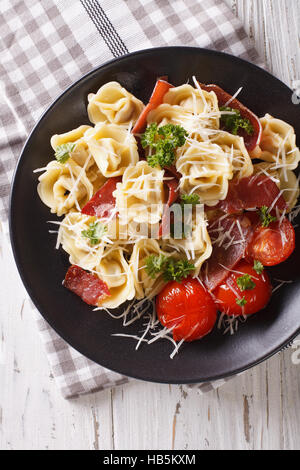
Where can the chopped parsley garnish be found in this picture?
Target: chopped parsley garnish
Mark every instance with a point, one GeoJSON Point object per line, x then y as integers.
{"type": "Point", "coordinates": [95, 232]}
{"type": "Point", "coordinates": [234, 122]}
{"type": "Point", "coordinates": [155, 264]}
{"type": "Point", "coordinates": [148, 138]}
{"type": "Point", "coordinates": [62, 152]}
{"type": "Point", "coordinates": [241, 302]}
{"type": "Point", "coordinates": [190, 199]}
{"type": "Point", "coordinates": [171, 269]}
{"type": "Point", "coordinates": [164, 141]}
{"type": "Point", "coordinates": [258, 267]}
{"type": "Point", "coordinates": [265, 217]}
{"type": "Point", "coordinates": [245, 282]}
{"type": "Point", "coordinates": [177, 270]}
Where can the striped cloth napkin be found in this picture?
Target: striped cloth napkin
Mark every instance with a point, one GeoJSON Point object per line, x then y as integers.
{"type": "Point", "coordinates": [45, 45]}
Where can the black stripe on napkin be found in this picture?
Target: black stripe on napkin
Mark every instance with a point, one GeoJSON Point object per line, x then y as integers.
{"type": "Point", "coordinates": [105, 27]}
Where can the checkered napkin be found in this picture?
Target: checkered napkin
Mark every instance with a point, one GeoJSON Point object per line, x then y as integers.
{"type": "Point", "coordinates": [45, 45]}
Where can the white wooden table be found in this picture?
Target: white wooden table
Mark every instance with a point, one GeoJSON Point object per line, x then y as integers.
{"type": "Point", "coordinates": [259, 410]}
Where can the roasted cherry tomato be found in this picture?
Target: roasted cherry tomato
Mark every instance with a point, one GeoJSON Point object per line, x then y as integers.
{"type": "Point", "coordinates": [188, 307]}
{"type": "Point", "coordinates": [274, 244]}
{"type": "Point", "coordinates": [244, 291]}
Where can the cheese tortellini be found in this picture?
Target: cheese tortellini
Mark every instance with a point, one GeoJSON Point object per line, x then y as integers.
{"type": "Point", "coordinates": [64, 186]}
{"type": "Point", "coordinates": [167, 114]}
{"type": "Point", "coordinates": [196, 101]}
{"type": "Point", "coordinates": [278, 143]}
{"type": "Point", "coordinates": [145, 285]}
{"type": "Point", "coordinates": [206, 171]}
{"type": "Point", "coordinates": [114, 270]}
{"type": "Point", "coordinates": [236, 151]}
{"type": "Point", "coordinates": [80, 154]}
{"type": "Point", "coordinates": [140, 196]}
{"type": "Point", "coordinates": [114, 104]}
{"type": "Point", "coordinates": [113, 148]}
{"type": "Point", "coordinates": [195, 243]}
{"type": "Point", "coordinates": [81, 252]}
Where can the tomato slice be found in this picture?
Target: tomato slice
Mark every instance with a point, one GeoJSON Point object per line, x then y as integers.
{"type": "Point", "coordinates": [233, 300]}
{"type": "Point", "coordinates": [274, 244]}
{"type": "Point", "coordinates": [188, 308]}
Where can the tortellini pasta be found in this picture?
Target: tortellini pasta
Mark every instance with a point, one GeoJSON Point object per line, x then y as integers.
{"type": "Point", "coordinates": [64, 186]}
{"type": "Point", "coordinates": [113, 148]}
{"type": "Point", "coordinates": [196, 101]}
{"type": "Point", "coordinates": [289, 184]}
{"type": "Point", "coordinates": [278, 143]}
{"type": "Point", "coordinates": [206, 171]}
{"type": "Point", "coordinates": [140, 196]}
{"type": "Point", "coordinates": [81, 252]}
{"type": "Point", "coordinates": [114, 270]}
{"type": "Point", "coordinates": [145, 285]}
{"type": "Point", "coordinates": [234, 147]}
{"type": "Point", "coordinates": [114, 104]}
{"type": "Point", "coordinates": [80, 154]}
{"type": "Point", "coordinates": [196, 243]}
{"type": "Point", "coordinates": [167, 114]}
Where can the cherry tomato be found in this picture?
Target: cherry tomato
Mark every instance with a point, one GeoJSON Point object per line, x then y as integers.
{"type": "Point", "coordinates": [274, 244]}
{"type": "Point", "coordinates": [233, 300]}
{"type": "Point", "coordinates": [189, 307]}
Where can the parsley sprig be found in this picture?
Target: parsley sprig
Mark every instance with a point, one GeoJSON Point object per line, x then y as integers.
{"type": "Point", "coordinates": [265, 217]}
{"type": "Point", "coordinates": [95, 232]}
{"type": "Point", "coordinates": [192, 199]}
{"type": "Point", "coordinates": [177, 270]}
{"type": "Point", "coordinates": [155, 264]}
{"type": "Point", "coordinates": [62, 152]}
{"type": "Point", "coordinates": [164, 140]}
{"type": "Point", "coordinates": [245, 282]}
{"type": "Point", "coordinates": [171, 269]}
{"type": "Point", "coordinates": [241, 302]}
{"type": "Point", "coordinates": [258, 266]}
{"type": "Point", "coordinates": [234, 122]}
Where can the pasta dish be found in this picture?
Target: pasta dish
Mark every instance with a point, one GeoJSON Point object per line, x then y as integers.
{"type": "Point", "coordinates": [174, 209]}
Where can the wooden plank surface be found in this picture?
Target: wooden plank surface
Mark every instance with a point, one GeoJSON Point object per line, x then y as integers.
{"type": "Point", "coordinates": [258, 410]}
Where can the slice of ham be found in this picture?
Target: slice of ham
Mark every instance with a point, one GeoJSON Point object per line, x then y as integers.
{"type": "Point", "coordinates": [248, 193]}
{"type": "Point", "coordinates": [230, 237]}
{"type": "Point", "coordinates": [173, 192]}
{"type": "Point", "coordinates": [86, 285]}
{"type": "Point", "coordinates": [251, 141]}
{"type": "Point", "coordinates": [160, 89]}
{"type": "Point", "coordinates": [174, 172]}
{"type": "Point", "coordinates": [103, 202]}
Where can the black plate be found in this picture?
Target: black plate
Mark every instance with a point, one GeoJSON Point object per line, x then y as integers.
{"type": "Point", "coordinates": [42, 268]}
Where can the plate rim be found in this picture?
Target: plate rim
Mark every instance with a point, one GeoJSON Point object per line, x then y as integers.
{"type": "Point", "coordinates": [21, 270]}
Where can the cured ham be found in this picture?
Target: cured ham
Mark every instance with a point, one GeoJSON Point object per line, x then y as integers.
{"type": "Point", "coordinates": [172, 184]}
{"type": "Point", "coordinates": [248, 193]}
{"type": "Point", "coordinates": [251, 141]}
{"type": "Point", "coordinates": [87, 286]}
{"type": "Point", "coordinates": [160, 89]}
{"type": "Point", "coordinates": [103, 202]}
{"type": "Point", "coordinates": [230, 238]}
